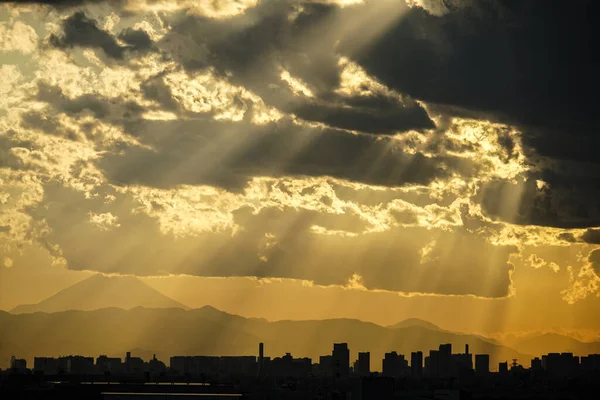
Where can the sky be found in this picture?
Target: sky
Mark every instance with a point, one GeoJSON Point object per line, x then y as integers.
{"type": "Point", "coordinates": [293, 159]}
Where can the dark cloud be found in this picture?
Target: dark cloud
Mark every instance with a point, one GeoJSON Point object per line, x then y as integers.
{"type": "Point", "coordinates": [562, 204]}
{"type": "Point", "coordinates": [591, 236]}
{"type": "Point", "coordinates": [228, 154]}
{"type": "Point", "coordinates": [275, 242]}
{"type": "Point", "coordinates": [137, 39]}
{"type": "Point", "coordinates": [157, 90]}
{"type": "Point", "coordinates": [9, 141]}
{"type": "Point", "coordinates": [81, 31]}
{"type": "Point", "coordinates": [54, 96]}
{"type": "Point", "coordinates": [529, 64]}
{"type": "Point", "coordinates": [594, 260]}
{"type": "Point", "coordinates": [251, 50]}
{"type": "Point", "coordinates": [107, 110]}
{"type": "Point", "coordinates": [567, 237]}
{"type": "Point", "coordinates": [524, 203]}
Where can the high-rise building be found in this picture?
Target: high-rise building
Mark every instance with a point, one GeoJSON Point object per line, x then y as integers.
{"type": "Point", "coordinates": [326, 365]}
{"type": "Point", "coordinates": [261, 358]}
{"type": "Point", "coordinates": [416, 363]}
{"type": "Point", "coordinates": [394, 364]}
{"type": "Point", "coordinates": [445, 365]}
{"type": "Point", "coordinates": [560, 364]}
{"type": "Point", "coordinates": [287, 366]}
{"type": "Point", "coordinates": [536, 364]}
{"type": "Point", "coordinates": [341, 359]}
{"type": "Point", "coordinates": [108, 364]}
{"type": "Point", "coordinates": [362, 366]}
{"type": "Point", "coordinates": [433, 366]}
{"type": "Point", "coordinates": [482, 364]}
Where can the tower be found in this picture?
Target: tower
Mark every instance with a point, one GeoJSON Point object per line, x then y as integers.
{"type": "Point", "coordinates": [261, 357]}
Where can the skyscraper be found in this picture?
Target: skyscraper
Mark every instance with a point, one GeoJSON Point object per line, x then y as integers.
{"type": "Point", "coordinates": [394, 364]}
{"type": "Point", "coordinates": [261, 358]}
{"type": "Point", "coordinates": [433, 367]}
{"type": "Point", "coordinates": [416, 363]}
{"type": "Point", "coordinates": [362, 366]}
{"type": "Point", "coordinates": [445, 365]}
{"type": "Point", "coordinates": [341, 359]}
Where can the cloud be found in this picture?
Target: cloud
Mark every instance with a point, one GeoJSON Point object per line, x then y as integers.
{"type": "Point", "coordinates": [594, 260]}
{"type": "Point", "coordinates": [81, 31]}
{"type": "Point", "coordinates": [18, 37]}
{"type": "Point", "coordinates": [537, 262]}
{"type": "Point", "coordinates": [587, 280]}
{"type": "Point", "coordinates": [523, 202]}
{"type": "Point", "coordinates": [269, 48]}
{"type": "Point", "coordinates": [591, 236]}
{"type": "Point", "coordinates": [478, 60]}
{"type": "Point", "coordinates": [226, 154]}
{"type": "Point", "coordinates": [274, 243]}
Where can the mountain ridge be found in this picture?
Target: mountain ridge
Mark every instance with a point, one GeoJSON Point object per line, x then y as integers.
{"type": "Point", "coordinates": [203, 331]}
{"type": "Point", "coordinates": [100, 291]}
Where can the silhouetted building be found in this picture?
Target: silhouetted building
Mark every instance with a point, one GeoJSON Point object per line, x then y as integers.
{"type": "Point", "coordinates": [461, 363]}
{"type": "Point", "coordinates": [261, 358]}
{"type": "Point", "coordinates": [133, 365]}
{"type": "Point", "coordinates": [287, 366]}
{"type": "Point", "coordinates": [238, 365]}
{"type": "Point", "coordinates": [18, 364]}
{"type": "Point", "coordinates": [416, 363]}
{"type": "Point", "coordinates": [109, 364]}
{"type": "Point", "coordinates": [362, 366]}
{"type": "Point", "coordinates": [76, 365]}
{"type": "Point", "coordinates": [45, 365]}
{"type": "Point", "coordinates": [536, 364]}
{"type": "Point", "coordinates": [325, 365]}
{"type": "Point", "coordinates": [591, 363]}
{"type": "Point", "coordinates": [210, 365]}
{"type": "Point", "coordinates": [432, 363]}
{"type": "Point", "coordinates": [341, 359]}
{"type": "Point", "coordinates": [560, 364]}
{"type": "Point", "coordinates": [155, 366]}
{"type": "Point", "coordinates": [394, 365]}
{"type": "Point", "coordinates": [503, 367]}
{"type": "Point", "coordinates": [445, 361]}
{"type": "Point", "coordinates": [482, 364]}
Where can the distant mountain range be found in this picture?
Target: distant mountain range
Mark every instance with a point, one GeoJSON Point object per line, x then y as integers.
{"type": "Point", "coordinates": [101, 291]}
{"type": "Point", "coordinates": [412, 322]}
{"type": "Point", "coordinates": [112, 315]}
{"type": "Point", "coordinates": [555, 343]}
{"type": "Point", "coordinates": [208, 331]}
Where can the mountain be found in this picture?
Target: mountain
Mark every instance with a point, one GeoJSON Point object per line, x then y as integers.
{"type": "Point", "coordinates": [208, 331]}
{"type": "Point", "coordinates": [411, 322]}
{"type": "Point", "coordinates": [556, 343]}
{"type": "Point", "coordinates": [101, 291]}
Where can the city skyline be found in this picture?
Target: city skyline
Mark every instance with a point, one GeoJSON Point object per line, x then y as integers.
{"type": "Point", "coordinates": [439, 363]}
